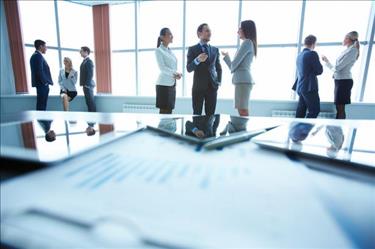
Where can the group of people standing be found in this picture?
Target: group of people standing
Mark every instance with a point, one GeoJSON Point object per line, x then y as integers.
{"type": "Point", "coordinates": [204, 60]}
{"type": "Point", "coordinates": [41, 78]}
{"type": "Point", "coordinates": [309, 67]}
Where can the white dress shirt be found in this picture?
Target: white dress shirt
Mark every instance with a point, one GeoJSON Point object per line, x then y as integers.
{"type": "Point", "coordinates": [167, 63]}
{"type": "Point", "coordinates": [344, 63]}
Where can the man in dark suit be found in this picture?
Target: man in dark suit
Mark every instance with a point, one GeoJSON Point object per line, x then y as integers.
{"type": "Point", "coordinates": [86, 79]}
{"type": "Point", "coordinates": [40, 75]}
{"type": "Point", "coordinates": [202, 126]}
{"type": "Point", "coordinates": [308, 67]}
{"type": "Point", "coordinates": [204, 60]}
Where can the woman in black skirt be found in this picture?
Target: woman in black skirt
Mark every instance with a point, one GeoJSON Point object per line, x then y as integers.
{"type": "Point", "coordinates": [166, 83]}
{"type": "Point", "coordinates": [342, 75]}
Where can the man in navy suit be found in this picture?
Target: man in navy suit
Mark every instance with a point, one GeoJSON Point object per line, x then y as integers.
{"type": "Point", "coordinates": [308, 67]}
{"type": "Point", "coordinates": [40, 75]}
{"type": "Point", "coordinates": [203, 59]}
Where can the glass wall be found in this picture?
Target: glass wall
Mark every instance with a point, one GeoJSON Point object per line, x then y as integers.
{"type": "Point", "coordinates": [135, 26]}
{"type": "Point", "coordinates": [274, 68]}
{"type": "Point", "coordinates": [64, 26]}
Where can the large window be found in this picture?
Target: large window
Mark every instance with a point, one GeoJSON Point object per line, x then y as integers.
{"type": "Point", "coordinates": [135, 26]}
{"type": "Point", "coordinates": [64, 35]}
{"type": "Point", "coordinates": [369, 95]}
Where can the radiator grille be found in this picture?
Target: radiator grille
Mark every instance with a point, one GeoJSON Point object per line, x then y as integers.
{"type": "Point", "coordinates": [139, 108]}
{"type": "Point", "coordinates": [292, 114]}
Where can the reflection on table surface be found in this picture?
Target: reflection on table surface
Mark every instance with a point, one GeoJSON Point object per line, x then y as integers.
{"type": "Point", "coordinates": [342, 142]}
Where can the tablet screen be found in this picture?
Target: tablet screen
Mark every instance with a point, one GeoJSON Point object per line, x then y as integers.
{"type": "Point", "coordinates": [202, 129]}
{"type": "Point", "coordinates": [339, 142]}
{"type": "Point", "coordinates": [49, 141]}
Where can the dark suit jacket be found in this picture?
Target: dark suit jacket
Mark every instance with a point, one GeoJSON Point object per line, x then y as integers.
{"type": "Point", "coordinates": [308, 67]}
{"type": "Point", "coordinates": [207, 124]}
{"type": "Point", "coordinates": [40, 73]}
{"type": "Point", "coordinates": [86, 73]}
{"type": "Point", "coordinates": [208, 72]}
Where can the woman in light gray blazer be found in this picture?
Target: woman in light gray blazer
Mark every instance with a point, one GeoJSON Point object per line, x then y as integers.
{"type": "Point", "coordinates": [67, 81]}
{"type": "Point", "coordinates": [240, 66]}
{"type": "Point", "coordinates": [341, 72]}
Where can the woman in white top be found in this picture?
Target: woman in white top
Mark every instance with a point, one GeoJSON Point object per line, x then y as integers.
{"type": "Point", "coordinates": [67, 81]}
{"type": "Point", "coordinates": [341, 72]}
{"type": "Point", "coordinates": [240, 66]}
{"type": "Point", "coordinates": [166, 83]}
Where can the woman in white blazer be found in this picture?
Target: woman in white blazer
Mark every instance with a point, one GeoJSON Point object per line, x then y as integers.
{"type": "Point", "coordinates": [67, 81]}
{"type": "Point", "coordinates": [166, 83]}
{"type": "Point", "coordinates": [240, 66]}
{"type": "Point", "coordinates": [341, 72]}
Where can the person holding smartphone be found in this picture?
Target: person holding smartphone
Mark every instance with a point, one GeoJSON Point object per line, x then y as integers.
{"type": "Point", "coordinates": [341, 72]}
{"type": "Point", "coordinates": [67, 81]}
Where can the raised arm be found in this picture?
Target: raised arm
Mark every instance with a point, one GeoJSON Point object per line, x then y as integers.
{"type": "Point", "coordinates": [245, 48]}
{"type": "Point", "coordinates": [191, 65]}
{"type": "Point", "coordinates": [348, 58]}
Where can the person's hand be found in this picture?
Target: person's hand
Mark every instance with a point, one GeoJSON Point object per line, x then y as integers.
{"type": "Point", "coordinates": [177, 76]}
{"type": "Point", "coordinates": [325, 59]}
{"type": "Point", "coordinates": [199, 133]}
{"type": "Point", "coordinates": [202, 57]}
{"type": "Point", "coordinates": [224, 53]}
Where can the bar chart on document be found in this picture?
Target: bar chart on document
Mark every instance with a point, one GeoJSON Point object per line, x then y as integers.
{"type": "Point", "coordinates": [126, 165]}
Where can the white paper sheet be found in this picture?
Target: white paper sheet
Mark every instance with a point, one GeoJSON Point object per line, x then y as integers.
{"type": "Point", "coordinates": [241, 196]}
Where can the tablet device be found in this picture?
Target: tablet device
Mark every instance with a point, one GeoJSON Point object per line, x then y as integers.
{"type": "Point", "coordinates": [340, 143]}
{"type": "Point", "coordinates": [211, 130]}
{"type": "Point", "coordinates": [46, 142]}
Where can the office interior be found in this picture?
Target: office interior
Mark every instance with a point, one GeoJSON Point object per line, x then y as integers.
{"type": "Point", "coordinates": [249, 185]}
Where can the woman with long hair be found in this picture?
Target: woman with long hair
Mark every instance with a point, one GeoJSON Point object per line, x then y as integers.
{"type": "Point", "coordinates": [240, 66]}
{"type": "Point", "coordinates": [166, 83]}
{"type": "Point", "coordinates": [341, 72]}
{"type": "Point", "coordinates": [67, 81]}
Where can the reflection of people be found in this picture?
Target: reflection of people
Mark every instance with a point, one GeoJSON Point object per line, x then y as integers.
{"type": "Point", "coordinates": [86, 79]}
{"type": "Point", "coordinates": [90, 130]}
{"type": "Point", "coordinates": [299, 131]}
{"type": "Point", "coordinates": [203, 59]}
{"type": "Point", "coordinates": [50, 135]}
{"type": "Point", "coordinates": [203, 126]}
{"type": "Point", "coordinates": [240, 66]}
{"type": "Point", "coordinates": [342, 75]}
{"type": "Point", "coordinates": [236, 124]}
{"type": "Point", "coordinates": [67, 80]}
{"type": "Point", "coordinates": [168, 124]}
{"type": "Point", "coordinates": [166, 83]}
{"type": "Point", "coordinates": [40, 75]}
{"type": "Point", "coordinates": [308, 67]}
{"type": "Point", "coordinates": [335, 137]}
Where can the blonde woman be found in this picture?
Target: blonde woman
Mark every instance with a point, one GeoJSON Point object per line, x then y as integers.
{"type": "Point", "coordinates": [341, 72]}
{"type": "Point", "coordinates": [67, 81]}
